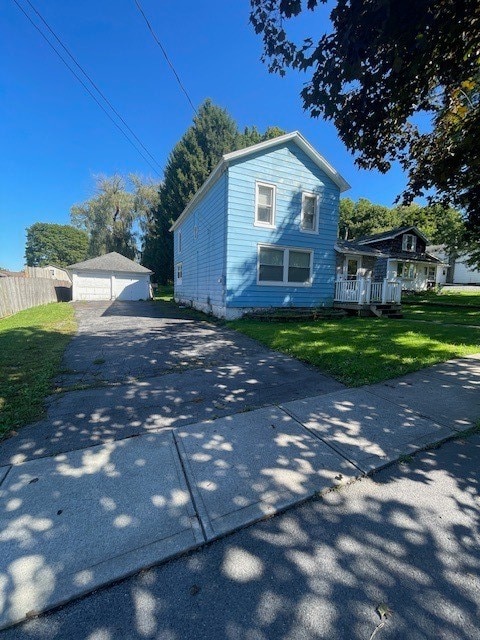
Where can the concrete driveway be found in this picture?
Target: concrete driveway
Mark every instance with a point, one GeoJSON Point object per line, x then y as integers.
{"type": "Point", "coordinates": [135, 367]}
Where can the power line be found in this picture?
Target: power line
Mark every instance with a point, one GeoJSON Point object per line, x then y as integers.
{"type": "Point", "coordinates": [72, 57]}
{"type": "Point", "coordinates": [139, 7]}
{"type": "Point", "coordinates": [87, 89]}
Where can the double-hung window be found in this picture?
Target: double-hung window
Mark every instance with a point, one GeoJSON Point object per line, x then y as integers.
{"type": "Point", "coordinates": [284, 266]}
{"type": "Point", "coordinates": [309, 217]}
{"type": "Point", "coordinates": [265, 205]}
{"type": "Point", "coordinates": [180, 242]}
{"type": "Point", "coordinates": [179, 272]}
{"type": "Point", "coordinates": [409, 242]}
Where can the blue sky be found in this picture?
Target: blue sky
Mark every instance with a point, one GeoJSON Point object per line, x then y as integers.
{"type": "Point", "coordinates": [54, 138]}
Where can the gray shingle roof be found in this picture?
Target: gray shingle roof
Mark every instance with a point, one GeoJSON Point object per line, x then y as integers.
{"type": "Point", "coordinates": [351, 246]}
{"type": "Point", "coordinates": [386, 235]}
{"type": "Point", "coordinates": [109, 262]}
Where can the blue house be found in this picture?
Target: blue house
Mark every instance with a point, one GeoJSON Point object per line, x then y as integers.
{"type": "Point", "coordinates": [261, 231]}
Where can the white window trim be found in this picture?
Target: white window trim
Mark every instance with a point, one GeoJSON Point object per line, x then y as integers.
{"type": "Point", "coordinates": [179, 280]}
{"type": "Point", "coordinates": [179, 241]}
{"type": "Point", "coordinates": [405, 242]}
{"type": "Point", "coordinates": [315, 227]}
{"type": "Point", "coordinates": [286, 251]}
{"type": "Point", "coordinates": [257, 223]}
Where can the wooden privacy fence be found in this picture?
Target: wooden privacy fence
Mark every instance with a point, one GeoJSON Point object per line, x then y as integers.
{"type": "Point", "coordinates": [17, 294]}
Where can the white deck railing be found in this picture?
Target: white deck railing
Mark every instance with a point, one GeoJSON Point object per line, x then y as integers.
{"type": "Point", "coordinates": [364, 291]}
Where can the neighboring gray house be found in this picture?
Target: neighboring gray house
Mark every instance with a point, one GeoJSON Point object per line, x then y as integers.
{"type": "Point", "coordinates": [110, 277]}
{"type": "Point", "coordinates": [396, 255]}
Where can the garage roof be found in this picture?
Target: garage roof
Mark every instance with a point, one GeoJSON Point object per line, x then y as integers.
{"type": "Point", "coordinates": [109, 262]}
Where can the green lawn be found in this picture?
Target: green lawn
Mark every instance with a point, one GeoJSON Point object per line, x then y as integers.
{"type": "Point", "coordinates": [447, 296]}
{"type": "Point", "coordinates": [360, 351]}
{"type": "Point", "coordinates": [32, 343]}
{"type": "Point", "coordinates": [164, 293]}
{"type": "Point", "coordinates": [443, 314]}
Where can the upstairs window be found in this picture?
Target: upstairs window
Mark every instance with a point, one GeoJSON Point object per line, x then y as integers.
{"type": "Point", "coordinates": [265, 205]}
{"type": "Point", "coordinates": [409, 242]}
{"type": "Point", "coordinates": [179, 242]}
{"type": "Point", "coordinates": [309, 218]}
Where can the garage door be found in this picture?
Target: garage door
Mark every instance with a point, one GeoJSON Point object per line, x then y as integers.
{"type": "Point", "coordinates": [92, 287]}
{"type": "Point", "coordinates": [127, 288]}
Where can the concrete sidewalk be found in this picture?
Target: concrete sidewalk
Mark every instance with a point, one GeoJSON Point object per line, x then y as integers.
{"type": "Point", "coordinates": [73, 522]}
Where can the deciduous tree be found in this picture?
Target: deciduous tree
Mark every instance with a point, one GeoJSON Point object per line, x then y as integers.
{"type": "Point", "coordinates": [58, 244]}
{"type": "Point", "coordinates": [376, 67]}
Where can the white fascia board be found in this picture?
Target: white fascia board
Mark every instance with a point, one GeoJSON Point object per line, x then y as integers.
{"type": "Point", "coordinates": [301, 142]}
{"type": "Point", "coordinates": [209, 182]}
{"type": "Point", "coordinates": [295, 136]}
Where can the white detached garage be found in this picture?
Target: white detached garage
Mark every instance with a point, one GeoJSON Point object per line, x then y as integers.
{"type": "Point", "coordinates": [110, 277]}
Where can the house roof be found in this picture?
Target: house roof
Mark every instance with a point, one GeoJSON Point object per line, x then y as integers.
{"type": "Point", "coordinates": [390, 234]}
{"type": "Point", "coordinates": [351, 246]}
{"type": "Point", "coordinates": [356, 247]}
{"type": "Point", "coordinates": [295, 137]}
{"type": "Point", "coordinates": [109, 262]}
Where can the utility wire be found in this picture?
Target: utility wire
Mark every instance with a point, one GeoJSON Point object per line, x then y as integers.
{"type": "Point", "coordinates": [87, 89]}
{"type": "Point", "coordinates": [139, 7]}
{"type": "Point", "coordinates": [72, 57]}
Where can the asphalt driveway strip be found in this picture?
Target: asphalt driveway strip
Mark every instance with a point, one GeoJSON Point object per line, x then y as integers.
{"type": "Point", "coordinates": [136, 367]}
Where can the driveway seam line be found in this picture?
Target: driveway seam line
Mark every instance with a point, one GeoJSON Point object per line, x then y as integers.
{"type": "Point", "coordinates": [190, 491]}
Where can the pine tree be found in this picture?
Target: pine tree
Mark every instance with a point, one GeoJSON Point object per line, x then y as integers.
{"type": "Point", "coordinates": [212, 134]}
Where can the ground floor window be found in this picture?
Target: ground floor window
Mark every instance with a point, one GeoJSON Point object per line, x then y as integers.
{"type": "Point", "coordinates": [179, 272]}
{"type": "Point", "coordinates": [284, 266]}
{"type": "Point", "coordinates": [406, 270]}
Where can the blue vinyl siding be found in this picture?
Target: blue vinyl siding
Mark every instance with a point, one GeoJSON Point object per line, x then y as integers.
{"type": "Point", "coordinates": [292, 172]}
{"type": "Point", "coordinates": [203, 258]}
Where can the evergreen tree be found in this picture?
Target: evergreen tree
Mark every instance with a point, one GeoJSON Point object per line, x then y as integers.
{"type": "Point", "coordinates": [212, 134]}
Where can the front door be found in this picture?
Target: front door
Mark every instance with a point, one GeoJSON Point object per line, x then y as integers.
{"type": "Point", "coordinates": [351, 268]}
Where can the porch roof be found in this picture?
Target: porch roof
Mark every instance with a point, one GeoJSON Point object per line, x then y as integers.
{"type": "Point", "coordinates": [350, 246]}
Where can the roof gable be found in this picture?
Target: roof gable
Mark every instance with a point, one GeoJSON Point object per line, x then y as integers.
{"type": "Point", "coordinates": [390, 234]}
{"type": "Point", "coordinates": [265, 146]}
{"type": "Point", "coordinates": [109, 262]}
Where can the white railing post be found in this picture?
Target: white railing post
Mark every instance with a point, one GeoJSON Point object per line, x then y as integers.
{"type": "Point", "coordinates": [368, 290]}
{"type": "Point", "coordinates": [361, 290]}
{"type": "Point", "coordinates": [384, 291]}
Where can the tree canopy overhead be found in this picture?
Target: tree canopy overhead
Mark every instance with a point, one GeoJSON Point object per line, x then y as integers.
{"type": "Point", "coordinates": [379, 65]}
{"type": "Point", "coordinates": [57, 244]}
